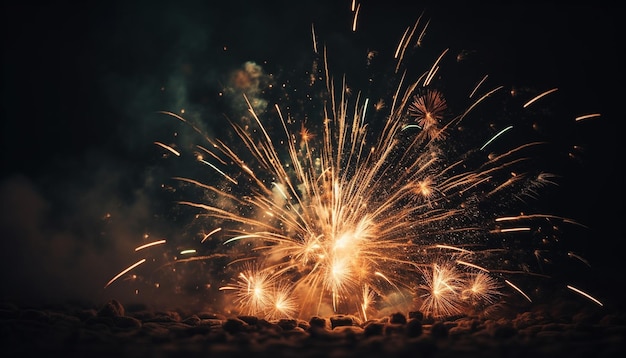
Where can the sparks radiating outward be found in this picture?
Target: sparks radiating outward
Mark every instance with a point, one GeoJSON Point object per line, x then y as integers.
{"type": "Point", "coordinates": [376, 204]}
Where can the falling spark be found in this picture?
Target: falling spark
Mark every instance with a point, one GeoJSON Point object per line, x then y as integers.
{"type": "Point", "coordinates": [587, 116]}
{"type": "Point", "coordinates": [472, 265]}
{"type": "Point", "coordinates": [209, 234]}
{"type": "Point", "coordinates": [439, 246]}
{"type": "Point", "coordinates": [496, 136]}
{"type": "Point", "coordinates": [404, 43]}
{"type": "Point", "coordinates": [477, 86]}
{"type": "Point", "coordinates": [219, 171]}
{"type": "Point", "coordinates": [518, 290]}
{"type": "Point", "coordinates": [578, 257]}
{"type": "Point", "coordinates": [539, 96]}
{"type": "Point", "coordinates": [434, 68]}
{"type": "Point", "coordinates": [154, 243]}
{"type": "Point", "coordinates": [131, 267]}
{"type": "Point", "coordinates": [585, 294]}
{"type": "Point", "coordinates": [356, 15]}
{"type": "Point", "coordinates": [480, 100]}
{"type": "Point", "coordinates": [515, 229]}
{"type": "Point", "coordinates": [539, 216]}
{"type": "Point", "coordinates": [314, 38]}
{"type": "Point", "coordinates": [174, 151]}
{"type": "Point", "coordinates": [422, 34]}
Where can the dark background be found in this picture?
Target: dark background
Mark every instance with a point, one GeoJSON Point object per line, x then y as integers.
{"type": "Point", "coordinates": [81, 82]}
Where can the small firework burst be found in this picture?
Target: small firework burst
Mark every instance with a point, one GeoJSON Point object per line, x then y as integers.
{"type": "Point", "coordinates": [443, 285]}
{"type": "Point", "coordinates": [257, 293]}
{"type": "Point", "coordinates": [428, 109]}
{"type": "Point", "coordinates": [481, 288]}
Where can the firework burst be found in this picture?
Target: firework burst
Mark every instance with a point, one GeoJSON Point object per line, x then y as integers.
{"type": "Point", "coordinates": [365, 205]}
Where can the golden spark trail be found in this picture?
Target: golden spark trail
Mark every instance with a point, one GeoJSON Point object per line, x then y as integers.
{"type": "Point", "coordinates": [539, 216]}
{"type": "Point", "coordinates": [496, 136]}
{"type": "Point", "coordinates": [539, 97]}
{"type": "Point", "coordinates": [219, 171]}
{"type": "Point", "coordinates": [518, 290]}
{"type": "Point", "coordinates": [478, 86]}
{"type": "Point", "coordinates": [210, 233]}
{"type": "Point", "coordinates": [422, 34]}
{"type": "Point", "coordinates": [587, 116]}
{"type": "Point", "coordinates": [453, 248]}
{"type": "Point", "coordinates": [585, 294]}
{"type": "Point", "coordinates": [314, 38]}
{"type": "Point", "coordinates": [404, 43]}
{"type": "Point", "coordinates": [471, 265]}
{"type": "Point", "coordinates": [154, 243]}
{"type": "Point", "coordinates": [578, 257]}
{"type": "Point", "coordinates": [434, 68]}
{"type": "Point", "coordinates": [356, 15]}
{"type": "Point", "coordinates": [516, 229]}
{"type": "Point", "coordinates": [129, 268]}
{"type": "Point", "coordinates": [175, 152]}
{"type": "Point", "coordinates": [478, 101]}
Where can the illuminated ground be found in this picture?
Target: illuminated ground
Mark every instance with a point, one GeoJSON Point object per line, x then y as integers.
{"type": "Point", "coordinates": [562, 328]}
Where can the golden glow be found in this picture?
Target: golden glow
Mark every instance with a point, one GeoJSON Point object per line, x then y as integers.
{"type": "Point", "coordinates": [361, 208]}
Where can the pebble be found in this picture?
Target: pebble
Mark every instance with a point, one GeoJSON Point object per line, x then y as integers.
{"type": "Point", "coordinates": [113, 330]}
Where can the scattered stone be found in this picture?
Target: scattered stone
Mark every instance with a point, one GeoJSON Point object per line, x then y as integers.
{"type": "Point", "coordinates": [341, 320]}
{"type": "Point", "coordinates": [233, 325]}
{"type": "Point", "coordinates": [208, 315]}
{"type": "Point", "coordinates": [126, 322]}
{"type": "Point", "coordinates": [394, 329]}
{"type": "Point", "coordinates": [157, 332]}
{"type": "Point", "coordinates": [251, 320]}
{"type": "Point", "coordinates": [112, 308]}
{"type": "Point", "coordinates": [348, 331]}
{"type": "Point", "coordinates": [161, 318]}
{"type": "Point", "coordinates": [414, 328]}
{"type": "Point", "coordinates": [317, 322]}
{"type": "Point", "coordinates": [397, 318]}
{"type": "Point", "coordinates": [265, 324]}
{"type": "Point", "coordinates": [287, 324]}
{"type": "Point", "coordinates": [373, 328]}
{"type": "Point", "coordinates": [35, 315]}
{"type": "Point", "coordinates": [192, 320]}
{"type": "Point", "coordinates": [81, 331]}
{"type": "Point", "coordinates": [210, 322]}
{"type": "Point", "coordinates": [304, 325]}
{"type": "Point", "coordinates": [416, 315]}
{"type": "Point", "coordinates": [136, 307]}
{"type": "Point", "coordinates": [439, 330]}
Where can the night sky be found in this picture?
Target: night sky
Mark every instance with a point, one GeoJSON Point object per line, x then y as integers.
{"type": "Point", "coordinates": [81, 82]}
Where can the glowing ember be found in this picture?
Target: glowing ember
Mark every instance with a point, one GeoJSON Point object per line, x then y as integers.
{"type": "Point", "coordinates": [367, 205]}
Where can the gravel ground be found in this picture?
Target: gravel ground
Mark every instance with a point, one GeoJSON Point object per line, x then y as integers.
{"type": "Point", "coordinates": [112, 330]}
